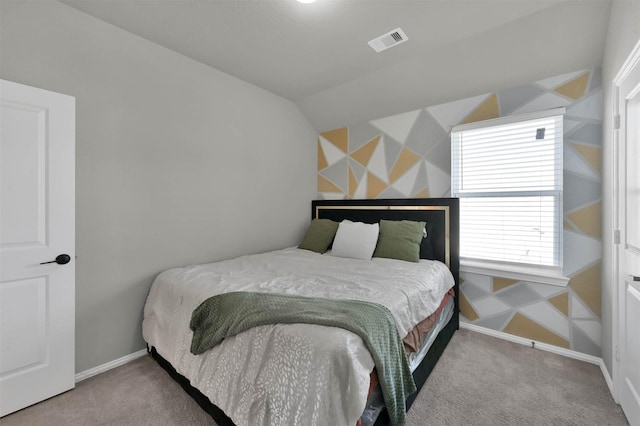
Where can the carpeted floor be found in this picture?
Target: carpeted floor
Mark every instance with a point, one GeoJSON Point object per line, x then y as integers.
{"type": "Point", "coordinates": [480, 380]}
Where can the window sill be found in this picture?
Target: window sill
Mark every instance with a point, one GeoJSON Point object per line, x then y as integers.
{"type": "Point", "coordinates": [543, 275]}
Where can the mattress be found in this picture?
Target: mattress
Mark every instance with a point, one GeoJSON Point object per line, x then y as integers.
{"type": "Point", "coordinates": [296, 373]}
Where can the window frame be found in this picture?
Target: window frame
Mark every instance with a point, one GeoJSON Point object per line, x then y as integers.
{"type": "Point", "coordinates": [504, 268]}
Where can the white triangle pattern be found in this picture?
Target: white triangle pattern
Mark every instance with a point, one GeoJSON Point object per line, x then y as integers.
{"type": "Point", "coordinates": [483, 281]}
{"type": "Point", "coordinates": [545, 290]}
{"type": "Point", "coordinates": [489, 306]}
{"type": "Point", "coordinates": [361, 190]}
{"type": "Point", "coordinates": [332, 153]}
{"type": "Point", "coordinates": [439, 181]}
{"type": "Point", "coordinates": [546, 101]}
{"type": "Point", "coordinates": [559, 80]}
{"type": "Point", "coordinates": [377, 164]}
{"type": "Point", "coordinates": [574, 162]}
{"type": "Point", "coordinates": [569, 125]}
{"type": "Point", "coordinates": [578, 309]}
{"type": "Point", "coordinates": [332, 195]}
{"type": "Point", "coordinates": [592, 329]}
{"type": "Point", "coordinates": [452, 113]}
{"type": "Point", "coordinates": [579, 252]}
{"type": "Point", "coordinates": [406, 183]}
{"type": "Point", "coordinates": [397, 126]}
{"type": "Point", "coordinates": [590, 107]}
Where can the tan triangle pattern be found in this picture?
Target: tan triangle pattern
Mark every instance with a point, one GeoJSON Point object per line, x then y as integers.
{"type": "Point", "coordinates": [405, 161]}
{"type": "Point", "coordinates": [375, 186]}
{"type": "Point", "coordinates": [485, 111]}
{"type": "Point", "coordinates": [524, 327]}
{"type": "Point", "coordinates": [590, 153]}
{"type": "Point", "coordinates": [353, 183]}
{"type": "Point", "coordinates": [422, 194]}
{"type": "Point", "coordinates": [325, 185]}
{"type": "Point", "coordinates": [322, 160]}
{"type": "Point", "coordinates": [588, 219]}
{"type": "Point", "coordinates": [363, 154]}
{"type": "Point", "coordinates": [338, 137]}
{"type": "Point", "coordinates": [499, 283]}
{"type": "Point", "coordinates": [567, 225]}
{"type": "Point", "coordinates": [587, 286]}
{"type": "Point", "coordinates": [575, 88]}
{"type": "Point", "coordinates": [466, 309]}
{"type": "Point", "coordinates": [561, 302]}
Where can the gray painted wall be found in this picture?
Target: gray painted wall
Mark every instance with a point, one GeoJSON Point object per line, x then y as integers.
{"type": "Point", "coordinates": [624, 33]}
{"type": "Point", "coordinates": [177, 162]}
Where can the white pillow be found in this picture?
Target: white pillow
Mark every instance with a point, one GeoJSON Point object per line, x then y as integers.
{"type": "Point", "coordinates": [355, 239]}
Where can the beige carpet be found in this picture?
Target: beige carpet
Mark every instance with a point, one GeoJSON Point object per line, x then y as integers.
{"type": "Point", "coordinates": [480, 380]}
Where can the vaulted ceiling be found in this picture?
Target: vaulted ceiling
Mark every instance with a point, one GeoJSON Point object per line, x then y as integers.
{"type": "Point", "coordinates": [317, 54]}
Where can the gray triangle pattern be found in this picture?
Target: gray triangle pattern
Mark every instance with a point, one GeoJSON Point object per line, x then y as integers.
{"type": "Point", "coordinates": [511, 99]}
{"type": "Point", "coordinates": [391, 192]}
{"type": "Point", "coordinates": [422, 180]}
{"type": "Point", "coordinates": [589, 133]}
{"type": "Point", "coordinates": [497, 322]}
{"type": "Point", "coordinates": [392, 150]}
{"type": "Point", "coordinates": [440, 155]}
{"type": "Point", "coordinates": [589, 107]}
{"type": "Point", "coordinates": [338, 174]}
{"type": "Point", "coordinates": [361, 134]}
{"type": "Point", "coordinates": [582, 343]}
{"type": "Point", "coordinates": [358, 170]}
{"type": "Point", "coordinates": [474, 292]}
{"type": "Point", "coordinates": [596, 80]}
{"type": "Point", "coordinates": [582, 191]}
{"type": "Point", "coordinates": [425, 131]}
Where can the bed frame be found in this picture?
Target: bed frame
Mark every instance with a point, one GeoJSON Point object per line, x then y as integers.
{"type": "Point", "coordinates": [442, 243]}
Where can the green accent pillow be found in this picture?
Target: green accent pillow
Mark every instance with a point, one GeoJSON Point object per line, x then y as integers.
{"type": "Point", "coordinates": [400, 239]}
{"type": "Point", "coordinates": [319, 235]}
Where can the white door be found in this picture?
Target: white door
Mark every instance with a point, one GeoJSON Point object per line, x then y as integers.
{"type": "Point", "coordinates": [37, 224]}
{"type": "Point", "coordinates": [628, 107]}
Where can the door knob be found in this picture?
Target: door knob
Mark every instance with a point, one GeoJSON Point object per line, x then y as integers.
{"type": "Point", "coordinates": [61, 259]}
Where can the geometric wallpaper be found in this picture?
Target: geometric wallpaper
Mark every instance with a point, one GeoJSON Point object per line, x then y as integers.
{"type": "Point", "coordinates": [409, 156]}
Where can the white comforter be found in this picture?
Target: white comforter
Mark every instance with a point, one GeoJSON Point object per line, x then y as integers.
{"type": "Point", "coordinates": [295, 374]}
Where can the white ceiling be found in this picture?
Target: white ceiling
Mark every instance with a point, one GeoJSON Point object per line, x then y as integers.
{"type": "Point", "coordinates": [317, 54]}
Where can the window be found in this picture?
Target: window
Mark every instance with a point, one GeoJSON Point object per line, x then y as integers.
{"type": "Point", "coordinates": [507, 173]}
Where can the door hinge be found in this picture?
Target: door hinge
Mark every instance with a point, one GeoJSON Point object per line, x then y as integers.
{"type": "Point", "coordinates": [616, 236]}
{"type": "Point", "coordinates": [616, 122]}
{"type": "Point", "coordinates": [617, 353]}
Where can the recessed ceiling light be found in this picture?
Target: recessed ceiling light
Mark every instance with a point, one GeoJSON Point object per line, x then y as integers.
{"type": "Point", "coordinates": [306, 1]}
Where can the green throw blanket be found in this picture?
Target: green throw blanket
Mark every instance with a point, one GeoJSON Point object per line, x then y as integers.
{"type": "Point", "coordinates": [228, 314]}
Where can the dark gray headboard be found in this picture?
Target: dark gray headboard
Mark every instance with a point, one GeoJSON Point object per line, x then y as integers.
{"type": "Point", "coordinates": [441, 215]}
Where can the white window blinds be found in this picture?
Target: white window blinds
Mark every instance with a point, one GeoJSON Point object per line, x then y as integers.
{"type": "Point", "coordinates": [508, 175]}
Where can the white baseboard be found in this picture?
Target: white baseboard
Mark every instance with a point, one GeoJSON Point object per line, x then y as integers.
{"type": "Point", "coordinates": [83, 375]}
{"type": "Point", "coordinates": [607, 377]}
{"type": "Point", "coordinates": [538, 345]}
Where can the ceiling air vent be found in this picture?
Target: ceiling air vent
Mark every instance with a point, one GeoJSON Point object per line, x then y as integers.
{"type": "Point", "coordinates": [388, 40]}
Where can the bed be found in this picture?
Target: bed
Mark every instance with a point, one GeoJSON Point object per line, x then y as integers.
{"type": "Point", "coordinates": [311, 373]}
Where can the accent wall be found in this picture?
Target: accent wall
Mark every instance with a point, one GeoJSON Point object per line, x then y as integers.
{"type": "Point", "coordinates": [408, 155]}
